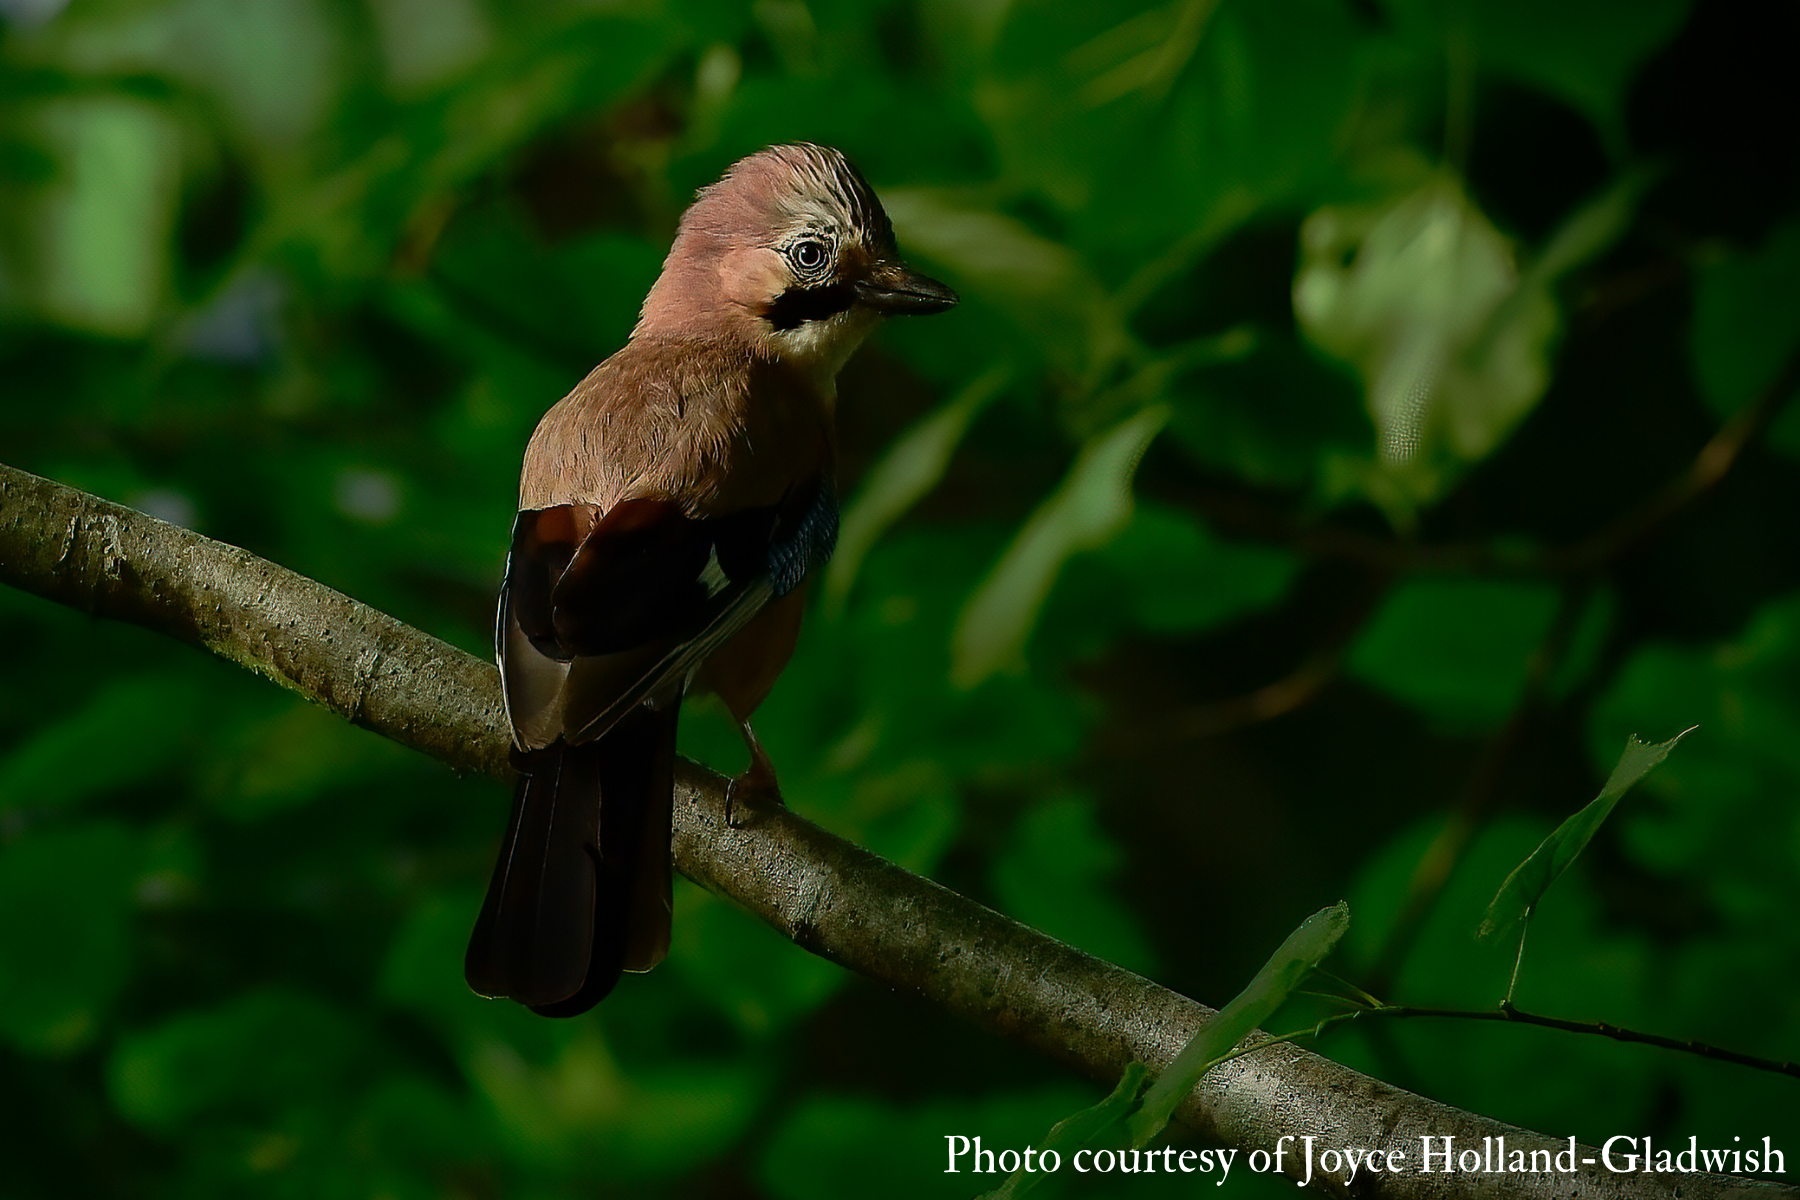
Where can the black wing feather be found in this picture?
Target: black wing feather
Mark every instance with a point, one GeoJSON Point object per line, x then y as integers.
{"type": "Point", "coordinates": [601, 624]}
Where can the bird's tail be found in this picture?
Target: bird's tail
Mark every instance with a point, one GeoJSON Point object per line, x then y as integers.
{"type": "Point", "coordinates": [581, 890]}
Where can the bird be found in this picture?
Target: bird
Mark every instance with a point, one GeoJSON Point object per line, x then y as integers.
{"type": "Point", "coordinates": [672, 508]}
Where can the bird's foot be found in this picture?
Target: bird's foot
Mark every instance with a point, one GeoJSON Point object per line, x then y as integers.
{"type": "Point", "coordinates": [754, 789]}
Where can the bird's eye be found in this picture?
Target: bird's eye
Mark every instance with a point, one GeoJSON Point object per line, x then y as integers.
{"type": "Point", "coordinates": [809, 255]}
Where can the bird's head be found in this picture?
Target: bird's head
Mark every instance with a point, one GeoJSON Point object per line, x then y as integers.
{"type": "Point", "coordinates": [792, 251]}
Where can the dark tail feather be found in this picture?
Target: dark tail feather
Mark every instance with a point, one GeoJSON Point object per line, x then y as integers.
{"type": "Point", "coordinates": [580, 893]}
{"type": "Point", "coordinates": [631, 903]}
{"type": "Point", "coordinates": [648, 896]}
{"type": "Point", "coordinates": [535, 935]}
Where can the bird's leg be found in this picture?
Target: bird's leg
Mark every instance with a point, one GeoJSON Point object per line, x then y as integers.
{"type": "Point", "coordinates": [757, 785]}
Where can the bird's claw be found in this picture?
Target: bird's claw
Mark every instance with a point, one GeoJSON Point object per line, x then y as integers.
{"type": "Point", "coordinates": [754, 789]}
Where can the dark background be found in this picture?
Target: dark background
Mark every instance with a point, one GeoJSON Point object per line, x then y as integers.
{"type": "Point", "coordinates": [302, 275]}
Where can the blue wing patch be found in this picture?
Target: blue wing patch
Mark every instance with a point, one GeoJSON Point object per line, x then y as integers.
{"type": "Point", "coordinates": [804, 544]}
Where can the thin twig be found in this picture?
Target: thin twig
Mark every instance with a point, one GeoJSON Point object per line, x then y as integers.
{"type": "Point", "coordinates": [1713, 462]}
{"type": "Point", "coordinates": [1512, 984]}
{"type": "Point", "coordinates": [1507, 1012]}
{"type": "Point", "coordinates": [1479, 794]}
{"type": "Point", "coordinates": [1357, 994]}
{"type": "Point", "coordinates": [1618, 1033]}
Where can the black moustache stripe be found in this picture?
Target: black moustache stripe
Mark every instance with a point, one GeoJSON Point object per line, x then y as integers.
{"type": "Point", "coordinates": [798, 305]}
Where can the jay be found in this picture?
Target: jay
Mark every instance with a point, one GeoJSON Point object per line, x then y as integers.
{"type": "Point", "coordinates": [671, 510]}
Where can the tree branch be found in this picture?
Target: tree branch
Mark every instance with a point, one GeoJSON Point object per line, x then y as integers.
{"type": "Point", "coordinates": [830, 897]}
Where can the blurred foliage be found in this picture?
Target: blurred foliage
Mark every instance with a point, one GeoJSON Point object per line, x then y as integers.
{"type": "Point", "coordinates": [1205, 566]}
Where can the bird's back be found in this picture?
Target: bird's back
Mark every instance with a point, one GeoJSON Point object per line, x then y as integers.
{"type": "Point", "coordinates": [703, 422]}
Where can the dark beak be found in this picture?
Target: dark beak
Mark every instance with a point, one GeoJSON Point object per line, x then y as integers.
{"type": "Point", "coordinates": [893, 288]}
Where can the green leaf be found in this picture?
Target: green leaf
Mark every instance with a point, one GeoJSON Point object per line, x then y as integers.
{"type": "Point", "coordinates": [100, 233]}
{"type": "Point", "coordinates": [1091, 506]}
{"type": "Point", "coordinates": [552, 305]}
{"type": "Point", "coordinates": [894, 1151]}
{"type": "Point", "coordinates": [746, 970]}
{"type": "Point", "coordinates": [420, 53]}
{"type": "Point", "coordinates": [1170, 575]}
{"type": "Point", "coordinates": [1077, 1130]}
{"type": "Point", "coordinates": [1584, 54]}
{"type": "Point", "coordinates": [1590, 962]}
{"type": "Point", "coordinates": [292, 756]}
{"type": "Point", "coordinates": [1224, 421]}
{"type": "Point", "coordinates": [579, 1104]}
{"type": "Point", "coordinates": [912, 466]}
{"type": "Point", "coordinates": [1085, 102]}
{"type": "Point", "coordinates": [273, 70]}
{"type": "Point", "coordinates": [1459, 650]}
{"type": "Point", "coordinates": [420, 972]}
{"type": "Point", "coordinates": [1533, 877]}
{"type": "Point", "coordinates": [1055, 873]}
{"type": "Point", "coordinates": [146, 721]}
{"type": "Point", "coordinates": [1303, 950]}
{"type": "Point", "coordinates": [1747, 324]}
{"type": "Point", "coordinates": [1745, 692]}
{"type": "Point", "coordinates": [254, 1058]}
{"type": "Point", "coordinates": [1592, 227]}
{"type": "Point", "coordinates": [1422, 296]}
